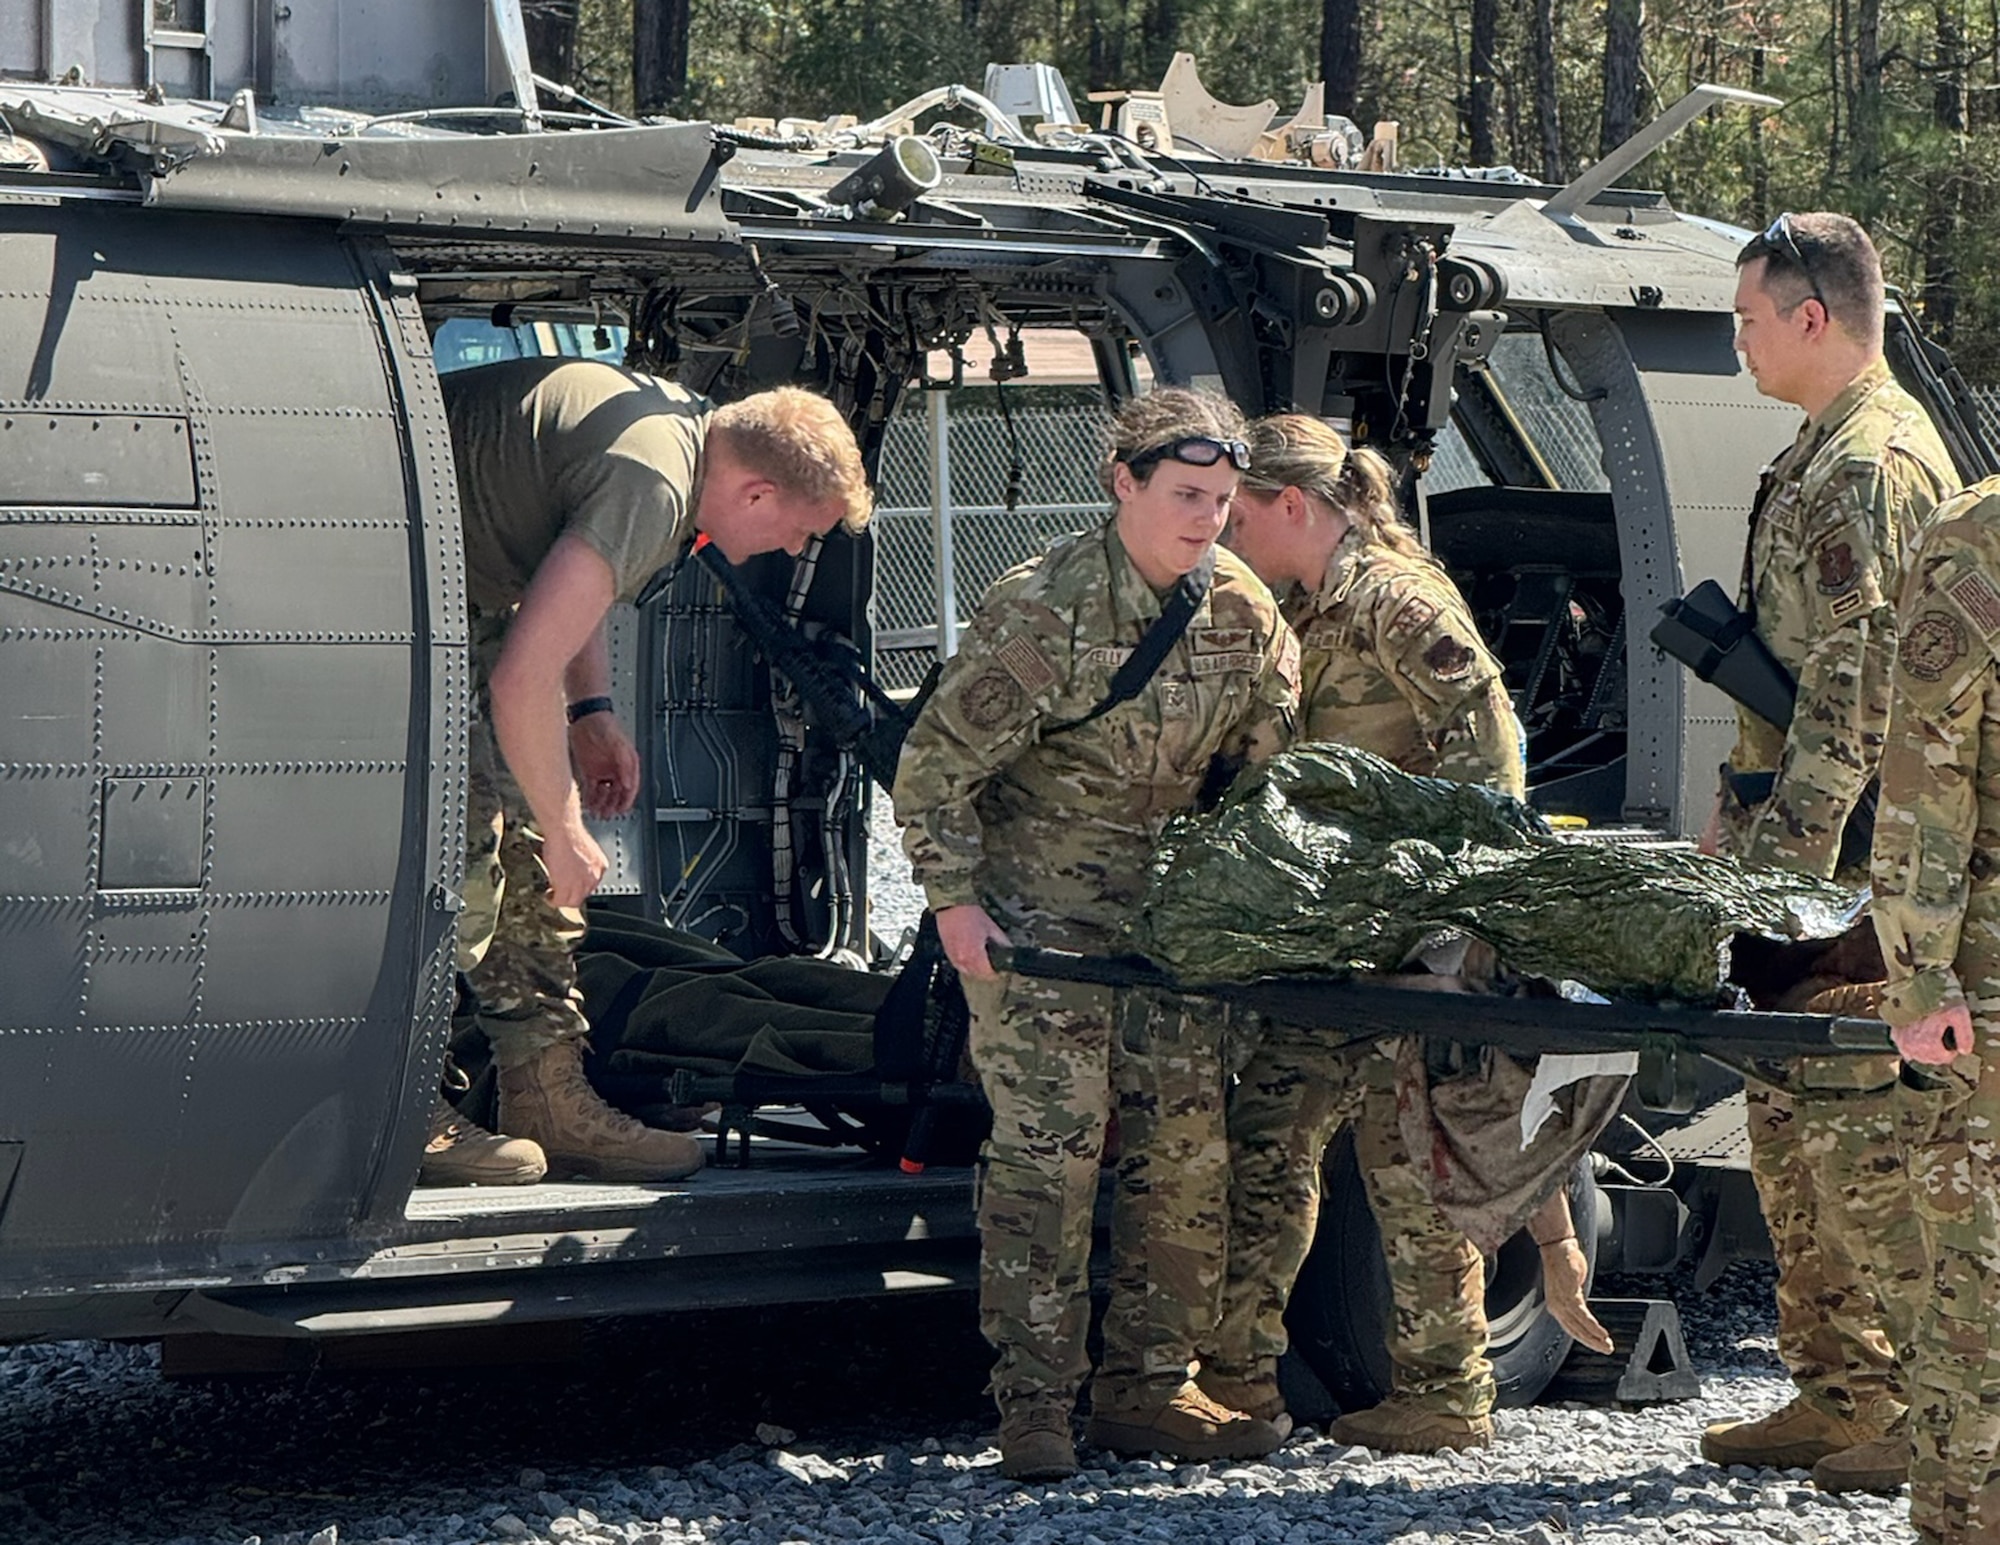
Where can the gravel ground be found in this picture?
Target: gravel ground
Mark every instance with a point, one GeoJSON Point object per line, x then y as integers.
{"type": "Point", "coordinates": [856, 1424]}
{"type": "Point", "coordinates": [836, 1423]}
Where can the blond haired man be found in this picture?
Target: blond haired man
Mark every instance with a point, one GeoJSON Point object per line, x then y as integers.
{"type": "Point", "coordinates": [578, 482]}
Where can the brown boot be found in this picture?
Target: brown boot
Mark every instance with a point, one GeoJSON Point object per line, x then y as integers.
{"type": "Point", "coordinates": [551, 1101]}
{"type": "Point", "coordinates": [1035, 1445]}
{"type": "Point", "coordinates": [1409, 1424]}
{"type": "Point", "coordinates": [1188, 1426]}
{"type": "Point", "coordinates": [460, 1152]}
{"type": "Point", "coordinates": [1795, 1437]}
{"type": "Point", "coordinates": [1256, 1395]}
{"type": "Point", "coordinates": [1881, 1464]}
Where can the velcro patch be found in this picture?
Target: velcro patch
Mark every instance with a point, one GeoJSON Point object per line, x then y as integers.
{"type": "Point", "coordinates": [1223, 664]}
{"type": "Point", "coordinates": [1221, 640]}
{"type": "Point", "coordinates": [1841, 606]}
{"type": "Point", "coordinates": [1024, 662]}
{"type": "Point", "coordinates": [1449, 660]}
{"type": "Point", "coordinates": [1412, 617]}
{"type": "Point", "coordinates": [1973, 594]}
{"type": "Point", "coordinates": [1838, 572]}
{"type": "Point", "coordinates": [1109, 656]}
{"type": "Point", "coordinates": [990, 700]}
{"type": "Point", "coordinates": [1932, 645]}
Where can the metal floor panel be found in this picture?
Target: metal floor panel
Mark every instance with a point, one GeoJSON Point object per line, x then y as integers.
{"type": "Point", "coordinates": [1719, 1136]}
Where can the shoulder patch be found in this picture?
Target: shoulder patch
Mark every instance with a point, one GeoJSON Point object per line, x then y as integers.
{"type": "Point", "coordinates": [1024, 662]}
{"type": "Point", "coordinates": [1932, 645]}
{"type": "Point", "coordinates": [1411, 618]}
{"type": "Point", "coordinates": [1448, 659]}
{"type": "Point", "coordinates": [990, 700]}
{"type": "Point", "coordinates": [1838, 572]}
{"type": "Point", "coordinates": [1973, 594]}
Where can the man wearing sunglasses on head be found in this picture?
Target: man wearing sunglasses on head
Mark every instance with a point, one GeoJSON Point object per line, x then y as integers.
{"type": "Point", "coordinates": [1831, 532]}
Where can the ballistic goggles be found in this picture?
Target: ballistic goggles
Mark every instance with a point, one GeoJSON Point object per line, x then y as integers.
{"type": "Point", "coordinates": [1192, 451]}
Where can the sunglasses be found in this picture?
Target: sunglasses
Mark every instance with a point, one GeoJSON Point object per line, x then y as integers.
{"type": "Point", "coordinates": [1192, 451]}
{"type": "Point", "coordinates": [1778, 236]}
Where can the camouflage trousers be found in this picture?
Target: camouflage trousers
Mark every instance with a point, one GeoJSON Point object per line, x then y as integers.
{"type": "Point", "coordinates": [1952, 1126]}
{"type": "Point", "coordinates": [517, 952]}
{"type": "Point", "coordinates": [1288, 1103]}
{"type": "Point", "coordinates": [1055, 1059]}
{"type": "Point", "coordinates": [1835, 1193]}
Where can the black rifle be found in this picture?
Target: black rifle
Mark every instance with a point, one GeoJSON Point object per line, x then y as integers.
{"type": "Point", "coordinates": [1670, 1038]}
{"type": "Point", "coordinates": [1706, 633]}
{"type": "Point", "coordinates": [828, 676]}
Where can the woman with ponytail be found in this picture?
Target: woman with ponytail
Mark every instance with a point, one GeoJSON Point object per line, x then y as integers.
{"type": "Point", "coordinates": [1390, 662]}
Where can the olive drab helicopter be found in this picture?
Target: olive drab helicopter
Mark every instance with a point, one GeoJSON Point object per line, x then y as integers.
{"type": "Point", "coordinates": [233, 666]}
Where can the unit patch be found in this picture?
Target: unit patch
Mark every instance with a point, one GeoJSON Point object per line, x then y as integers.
{"type": "Point", "coordinates": [1024, 662]}
{"type": "Point", "coordinates": [989, 701]}
{"type": "Point", "coordinates": [1838, 572]}
{"type": "Point", "coordinates": [1932, 645]}
{"type": "Point", "coordinates": [1448, 659]}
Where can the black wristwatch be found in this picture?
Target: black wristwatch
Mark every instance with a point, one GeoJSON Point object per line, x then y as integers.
{"type": "Point", "coordinates": [583, 707]}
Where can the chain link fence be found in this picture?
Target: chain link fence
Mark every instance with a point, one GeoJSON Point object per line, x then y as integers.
{"type": "Point", "coordinates": [1046, 446]}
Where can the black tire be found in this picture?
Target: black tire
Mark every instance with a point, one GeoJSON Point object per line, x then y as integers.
{"type": "Point", "coordinates": [1341, 1311]}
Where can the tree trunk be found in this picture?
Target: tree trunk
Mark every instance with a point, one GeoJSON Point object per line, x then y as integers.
{"type": "Point", "coordinates": [1865, 115]}
{"type": "Point", "coordinates": [660, 55]}
{"type": "Point", "coordinates": [1340, 57]}
{"type": "Point", "coordinates": [1548, 109]}
{"type": "Point", "coordinates": [1624, 40]}
{"type": "Point", "coordinates": [1941, 204]}
{"type": "Point", "coordinates": [551, 26]}
{"type": "Point", "coordinates": [1482, 64]}
{"type": "Point", "coordinates": [1760, 150]}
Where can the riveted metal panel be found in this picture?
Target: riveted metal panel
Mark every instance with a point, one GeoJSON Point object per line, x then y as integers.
{"type": "Point", "coordinates": [292, 956]}
{"type": "Point", "coordinates": [258, 800]}
{"type": "Point", "coordinates": [304, 467]}
{"type": "Point", "coordinates": [152, 834]}
{"type": "Point", "coordinates": [50, 456]}
{"type": "Point", "coordinates": [91, 1169]}
{"type": "Point", "coordinates": [42, 964]}
{"type": "Point", "coordinates": [152, 702]}
{"type": "Point", "coordinates": [361, 564]}
{"type": "Point", "coordinates": [311, 703]}
{"type": "Point", "coordinates": [46, 822]}
{"type": "Point", "coordinates": [218, 1002]}
{"type": "Point", "coordinates": [50, 671]}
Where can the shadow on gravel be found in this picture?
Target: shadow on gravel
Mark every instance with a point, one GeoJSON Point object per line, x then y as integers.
{"type": "Point", "coordinates": [96, 1445]}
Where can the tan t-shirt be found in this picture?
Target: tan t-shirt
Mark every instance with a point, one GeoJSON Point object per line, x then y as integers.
{"type": "Point", "coordinates": [547, 446]}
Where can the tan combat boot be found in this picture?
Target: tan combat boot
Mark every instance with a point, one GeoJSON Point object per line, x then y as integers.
{"type": "Point", "coordinates": [460, 1152]}
{"type": "Point", "coordinates": [1410, 1424]}
{"type": "Point", "coordinates": [1881, 1464]}
{"type": "Point", "coordinates": [1795, 1437]}
{"type": "Point", "coordinates": [1035, 1445]}
{"type": "Point", "coordinates": [1188, 1426]}
{"type": "Point", "coordinates": [1256, 1395]}
{"type": "Point", "coordinates": [550, 1100]}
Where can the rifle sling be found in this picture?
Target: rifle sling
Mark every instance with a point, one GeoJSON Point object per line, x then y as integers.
{"type": "Point", "coordinates": [1144, 662]}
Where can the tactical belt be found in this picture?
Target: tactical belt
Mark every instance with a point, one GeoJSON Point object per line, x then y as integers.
{"type": "Point", "coordinates": [1144, 662]}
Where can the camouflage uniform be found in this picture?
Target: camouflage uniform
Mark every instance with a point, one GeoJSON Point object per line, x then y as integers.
{"type": "Point", "coordinates": [518, 953]}
{"type": "Point", "coordinates": [1391, 662]}
{"type": "Point", "coordinates": [1828, 544]}
{"type": "Point", "coordinates": [1937, 910]}
{"type": "Point", "coordinates": [1052, 830]}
